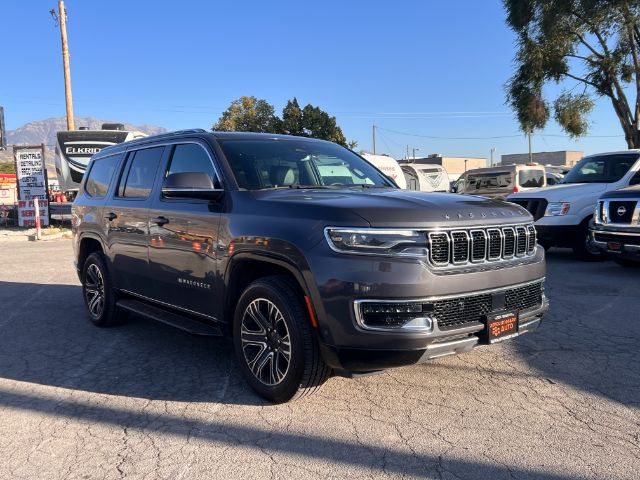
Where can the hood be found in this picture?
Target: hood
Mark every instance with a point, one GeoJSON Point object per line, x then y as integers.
{"type": "Point", "coordinates": [628, 192]}
{"type": "Point", "coordinates": [394, 208]}
{"type": "Point", "coordinates": [562, 193]}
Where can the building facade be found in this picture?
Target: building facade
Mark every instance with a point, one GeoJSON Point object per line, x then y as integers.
{"type": "Point", "coordinates": [561, 158]}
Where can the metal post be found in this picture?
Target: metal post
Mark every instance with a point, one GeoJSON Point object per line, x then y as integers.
{"type": "Point", "coordinates": [374, 139]}
{"type": "Point", "coordinates": [62, 18]}
{"type": "Point", "coordinates": [530, 152]}
{"type": "Point", "coordinates": [36, 206]}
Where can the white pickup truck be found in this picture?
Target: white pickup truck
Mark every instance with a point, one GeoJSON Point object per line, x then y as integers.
{"type": "Point", "coordinates": [562, 213]}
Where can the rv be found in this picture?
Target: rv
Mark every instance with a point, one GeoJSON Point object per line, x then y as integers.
{"type": "Point", "coordinates": [389, 166]}
{"type": "Point", "coordinates": [425, 177]}
{"type": "Point", "coordinates": [75, 148]}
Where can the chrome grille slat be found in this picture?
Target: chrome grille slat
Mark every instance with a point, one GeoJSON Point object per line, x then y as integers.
{"type": "Point", "coordinates": [481, 245]}
{"type": "Point", "coordinates": [521, 241]}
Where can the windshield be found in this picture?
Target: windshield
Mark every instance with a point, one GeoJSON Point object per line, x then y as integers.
{"type": "Point", "coordinates": [601, 169]}
{"type": "Point", "coordinates": [271, 163]}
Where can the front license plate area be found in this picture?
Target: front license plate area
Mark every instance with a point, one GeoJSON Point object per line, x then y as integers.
{"type": "Point", "coordinates": [614, 246]}
{"type": "Point", "coordinates": [501, 326]}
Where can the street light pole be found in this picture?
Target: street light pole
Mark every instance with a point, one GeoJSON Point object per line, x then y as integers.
{"type": "Point", "coordinates": [414, 152]}
{"type": "Point", "coordinates": [493, 149]}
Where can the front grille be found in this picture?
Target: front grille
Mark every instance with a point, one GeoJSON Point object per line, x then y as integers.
{"type": "Point", "coordinates": [462, 247]}
{"type": "Point", "coordinates": [479, 245]}
{"type": "Point", "coordinates": [521, 241]}
{"type": "Point", "coordinates": [495, 243]}
{"type": "Point", "coordinates": [621, 211]}
{"type": "Point", "coordinates": [533, 239]}
{"type": "Point", "coordinates": [462, 311]}
{"type": "Point", "coordinates": [509, 242]}
{"type": "Point", "coordinates": [535, 206]}
{"type": "Point", "coordinates": [522, 298]}
{"type": "Point", "coordinates": [623, 239]}
{"type": "Point", "coordinates": [439, 248]}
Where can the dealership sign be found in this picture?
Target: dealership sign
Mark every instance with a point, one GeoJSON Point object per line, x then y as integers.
{"type": "Point", "coordinates": [32, 184]}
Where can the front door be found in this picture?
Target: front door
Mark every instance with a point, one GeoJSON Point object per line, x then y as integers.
{"type": "Point", "coordinates": [183, 239]}
{"type": "Point", "coordinates": [127, 220]}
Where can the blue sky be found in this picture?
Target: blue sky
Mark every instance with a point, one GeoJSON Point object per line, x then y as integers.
{"type": "Point", "coordinates": [425, 68]}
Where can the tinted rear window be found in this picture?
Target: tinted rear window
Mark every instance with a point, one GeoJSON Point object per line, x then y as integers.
{"type": "Point", "coordinates": [531, 178]}
{"type": "Point", "coordinates": [99, 177]}
{"type": "Point", "coordinates": [487, 181]}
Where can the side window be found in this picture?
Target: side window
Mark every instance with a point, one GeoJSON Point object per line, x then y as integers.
{"type": "Point", "coordinates": [190, 157]}
{"type": "Point", "coordinates": [99, 177]}
{"type": "Point", "coordinates": [139, 173]}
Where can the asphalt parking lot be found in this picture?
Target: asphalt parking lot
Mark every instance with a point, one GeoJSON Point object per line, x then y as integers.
{"type": "Point", "coordinates": [146, 401]}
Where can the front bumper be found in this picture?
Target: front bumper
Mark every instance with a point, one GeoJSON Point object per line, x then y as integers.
{"type": "Point", "coordinates": [617, 242]}
{"type": "Point", "coordinates": [359, 360]}
{"type": "Point", "coordinates": [343, 281]}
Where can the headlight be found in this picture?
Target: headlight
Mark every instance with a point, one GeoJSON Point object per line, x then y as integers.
{"type": "Point", "coordinates": [376, 241]}
{"type": "Point", "coordinates": [557, 209]}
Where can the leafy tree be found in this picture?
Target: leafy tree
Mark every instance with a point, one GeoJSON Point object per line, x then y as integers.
{"type": "Point", "coordinates": [292, 122]}
{"type": "Point", "coordinates": [595, 43]}
{"type": "Point", "coordinates": [249, 114]}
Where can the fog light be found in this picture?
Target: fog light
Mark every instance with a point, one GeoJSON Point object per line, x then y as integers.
{"type": "Point", "coordinates": [395, 316]}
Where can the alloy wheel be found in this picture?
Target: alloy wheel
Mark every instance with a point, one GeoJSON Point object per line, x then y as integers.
{"type": "Point", "coordinates": [94, 290]}
{"type": "Point", "coordinates": [266, 343]}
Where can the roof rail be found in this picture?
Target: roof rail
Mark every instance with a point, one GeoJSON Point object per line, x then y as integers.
{"type": "Point", "coordinates": [161, 136]}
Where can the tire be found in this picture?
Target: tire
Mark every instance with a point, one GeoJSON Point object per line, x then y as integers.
{"type": "Point", "coordinates": [269, 311]}
{"type": "Point", "coordinates": [625, 262]}
{"type": "Point", "coordinates": [582, 248]}
{"type": "Point", "coordinates": [97, 292]}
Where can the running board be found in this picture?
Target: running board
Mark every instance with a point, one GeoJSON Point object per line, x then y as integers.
{"type": "Point", "coordinates": [175, 320]}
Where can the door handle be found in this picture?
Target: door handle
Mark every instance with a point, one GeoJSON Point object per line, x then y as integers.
{"type": "Point", "coordinates": [111, 216]}
{"type": "Point", "coordinates": [160, 220]}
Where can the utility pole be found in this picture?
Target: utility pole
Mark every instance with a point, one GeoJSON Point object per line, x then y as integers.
{"type": "Point", "coordinates": [530, 153]}
{"type": "Point", "coordinates": [374, 139]}
{"type": "Point", "coordinates": [493, 149]}
{"type": "Point", "coordinates": [414, 152]}
{"type": "Point", "coordinates": [407, 152]}
{"type": "Point", "coordinates": [61, 19]}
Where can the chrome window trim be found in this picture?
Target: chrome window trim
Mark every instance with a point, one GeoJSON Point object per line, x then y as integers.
{"type": "Point", "coordinates": [486, 245]}
{"type": "Point", "coordinates": [360, 322]}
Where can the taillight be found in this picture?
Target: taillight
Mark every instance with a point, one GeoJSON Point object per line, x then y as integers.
{"type": "Point", "coordinates": [515, 189]}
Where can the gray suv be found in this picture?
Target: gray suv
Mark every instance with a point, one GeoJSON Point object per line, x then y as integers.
{"type": "Point", "coordinates": [308, 257]}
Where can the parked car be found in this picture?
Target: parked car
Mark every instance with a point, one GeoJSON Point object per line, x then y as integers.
{"type": "Point", "coordinates": [425, 177]}
{"type": "Point", "coordinates": [308, 257]}
{"type": "Point", "coordinates": [616, 225]}
{"type": "Point", "coordinates": [563, 212]}
{"type": "Point", "coordinates": [499, 182]}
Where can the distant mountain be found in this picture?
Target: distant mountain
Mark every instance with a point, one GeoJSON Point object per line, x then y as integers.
{"type": "Point", "coordinates": [44, 131]}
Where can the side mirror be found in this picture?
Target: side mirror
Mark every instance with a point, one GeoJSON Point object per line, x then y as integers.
{"type": "Point", "coordinates": [191, 185]}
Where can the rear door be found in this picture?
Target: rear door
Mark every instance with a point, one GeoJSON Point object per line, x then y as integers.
{"type": "Point", "coordinates": [183, 240]}
{"type": "Point", "coordinates": [127, 220]}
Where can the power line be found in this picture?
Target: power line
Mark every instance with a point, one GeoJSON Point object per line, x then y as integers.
{"type": "Point", "coordinates": [433, 137]}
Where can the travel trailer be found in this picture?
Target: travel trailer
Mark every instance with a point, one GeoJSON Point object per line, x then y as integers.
{"type": "Point", "coordinates": [75, 148]}
{"type": "Point", "coordinates": [389, 166]}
